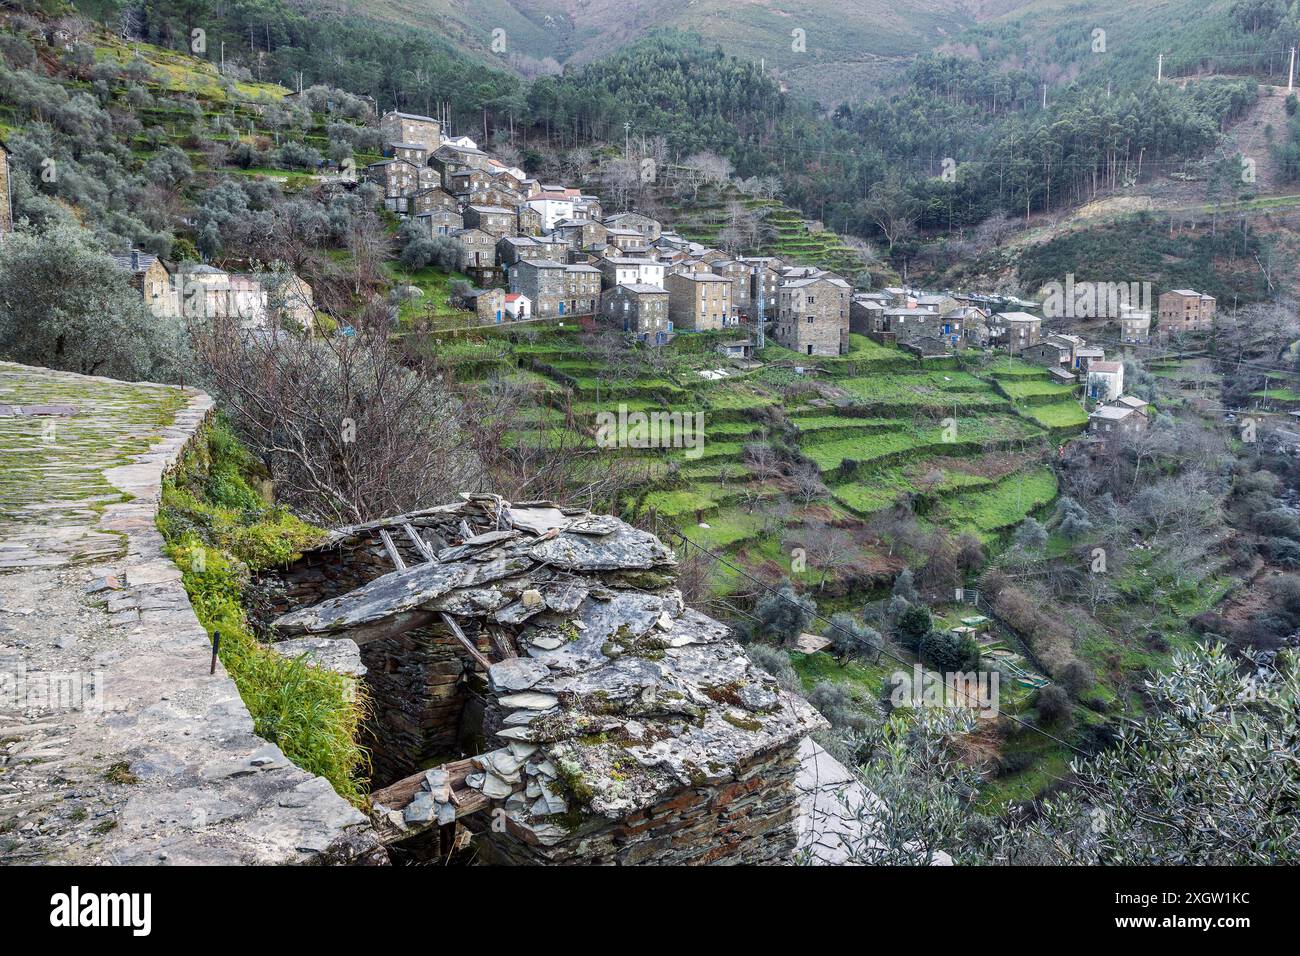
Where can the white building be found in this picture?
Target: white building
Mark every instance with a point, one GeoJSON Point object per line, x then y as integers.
{"type": "Point", "coordinates": [518, 306]}
{"type": "Point", "coordinates": [1105, 381]}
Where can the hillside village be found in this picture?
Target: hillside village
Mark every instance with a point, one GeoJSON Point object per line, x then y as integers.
{"type": "Point", "coordinates": [718, 487]}
{"type": "Point", "coordinates": [546, 252]}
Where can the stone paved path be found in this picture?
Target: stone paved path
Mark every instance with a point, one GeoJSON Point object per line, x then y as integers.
{"type": "Point", "coordinates": [116, 745]}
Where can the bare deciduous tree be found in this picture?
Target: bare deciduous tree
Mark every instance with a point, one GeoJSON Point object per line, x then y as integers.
{"type": "Point", "coordinates": [348, 429]}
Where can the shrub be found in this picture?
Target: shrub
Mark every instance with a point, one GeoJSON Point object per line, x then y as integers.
{"type": "Point", "coordinates": [65, 304]}
{"type": "Point", "coordinates": [850, 638]}
{"type": "Point", "coordinates": [777, 663]}
{"type": "Point", "coordinates": [1052, 704]}
{"type": "Point", "coordinates": [913, 625]}
{"type": "Point", "coordinates": [949, 653]}
{"type": "Point", "coordinates": [838, 706]}
{"type": "Point", "coordinates": [783, 616]}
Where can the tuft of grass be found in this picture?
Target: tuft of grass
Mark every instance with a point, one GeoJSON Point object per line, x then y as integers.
{"type": "Point", "coordinates": [218, 529]}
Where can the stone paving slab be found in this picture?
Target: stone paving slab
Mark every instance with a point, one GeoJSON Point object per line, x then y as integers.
{"type": "Point", "coordinates": [116, 744]}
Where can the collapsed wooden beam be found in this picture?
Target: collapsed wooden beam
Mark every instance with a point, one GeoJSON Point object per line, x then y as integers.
{"type": "Point", "coordinates": [396, 797]}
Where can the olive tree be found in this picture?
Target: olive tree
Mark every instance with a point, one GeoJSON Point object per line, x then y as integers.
{"type": "Point", "coordinates": [66, 304]}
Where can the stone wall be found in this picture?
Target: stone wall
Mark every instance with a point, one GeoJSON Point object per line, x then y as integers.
{"type": "Point", "coordinates": [749, 819]}
{"type": "Point", "coordinates": [161, 765]}
{"type": "Point", "coordinates": [418, 689]}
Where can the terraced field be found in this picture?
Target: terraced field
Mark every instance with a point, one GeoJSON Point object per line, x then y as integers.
{"type": "Point", "coordinates": [965, 442]}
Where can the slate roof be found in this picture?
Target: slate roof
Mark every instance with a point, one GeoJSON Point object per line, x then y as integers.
{"type": "Point", "coordinates": [617, 682]}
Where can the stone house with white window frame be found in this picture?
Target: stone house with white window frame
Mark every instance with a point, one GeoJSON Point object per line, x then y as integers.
{"type": "Point", "coordinates": [398, 127]}
{"type": "Point", "coordinates": [582, 284]}
{"type": "Point", "coordinates": [480, 249]}
{"type": "Point", "coordinates": [1015, 330]}
{"type": "Point", "coordinates": [640, 310]}
{"type": "Point", "coordinates": [645, 225]}
{"type": "Point", "coordinates": [433, 197]}
{"type": "Point", "coordinates": [699, 302]}
{"type": "Point", "coordinates": [544, 282]}
{"type": "Point", "coordinates": [1186, 310]}
{"type": "Point", "coordinates": [739, 274]}
{"type": "Point", "coordinates": [488, 304]}
{"type": "Point", "coordinates": [813, 315]}
{"type": "Point", "coordinates": [494, 220]}
{"type": "Point", "coordinates": [441, 221]}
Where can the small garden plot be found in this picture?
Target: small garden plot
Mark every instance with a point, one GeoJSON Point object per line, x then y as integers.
{"type": "Point", "coordinates": [726, 528]}
{"type": "Point", "coordinates": [989, 511]}
{"type": "Point", "coordinates": [938, 389]}
{"type": "Point", "coordinates": [679, 503]}
{"type": "Point", "coordinates": [1068, 414]}
{"type": "Point", "coordinates": [967, 433]}
{"type": "Point", "coordinates": [1026, 389]}
{"type": "Point", "coordinates": [1004, 367]}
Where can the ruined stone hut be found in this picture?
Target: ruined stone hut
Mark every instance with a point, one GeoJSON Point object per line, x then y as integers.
{"type": "Point", "coordinates": [603, 720]}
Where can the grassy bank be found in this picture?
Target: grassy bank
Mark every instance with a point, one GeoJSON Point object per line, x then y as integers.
{"type": "Point", "coordinates": [219, 529]}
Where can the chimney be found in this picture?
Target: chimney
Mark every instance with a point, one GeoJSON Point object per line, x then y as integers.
{"type": "Point", "coordinates": [135, 260]}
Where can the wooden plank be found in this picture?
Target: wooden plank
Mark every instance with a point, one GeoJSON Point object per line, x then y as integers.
{"type": "Point", "coordinates": [397, 795]}
{"type": "Point", "coordinates": [501, 643]}
{"type": "Point", "coordinates": [420, 544]}
{"type": "Point", "coordinates": [394, 555]}
{"type": "Point", "coordinates": [465, 641]}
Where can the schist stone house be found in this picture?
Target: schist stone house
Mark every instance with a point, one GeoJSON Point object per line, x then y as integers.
{"type": "Point", "coordinates": [1186, 310]}
{"type": "Point", "coordinates": [433, 197]}
{"type": "Point", "coordinates": [1014, 331]}
{"type": "Point", "coordinates": [543, 281]}
{"type": "Point", "coordinates": [441, 221]}
{"type": "Point", "coordinates": [582, 233]}
{"type": "Point", "coordinates": [480, 249]}
{"type": "Point", "coordinates": [400, 179]}
{"type": "Point", "coordinates": [542, 661]}
{"type": "Point", "coordinates": [651, 229]}
{"type": "Point", "coordinates": [581, 289]}
{"type": "Point", "coordinates": [1123, 418]}
{"type": "Point", "coordinates": [151, 278]}
{"type": "Point", "coordinates": [639, 309]}
{"type": "Point", "coordinates": [741, 282]}
{"type": "Point", "coordinates": [411, 128]}
{"type": "Point", "coordinates": [813, 315]}
{"type": "Point", "coordinates": [488, 304]}
{"type": "Point", "coordinates": [764, 283]}
{"type": "Point", "coordinates": [699, 301]}
{"type": "Point", "coordinates": [494, 220]}
{"type": "Point", "coordinates": [867, 312]}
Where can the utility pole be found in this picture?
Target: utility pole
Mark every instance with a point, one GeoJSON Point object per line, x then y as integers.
{"type": "Point", "coordinates": [1044, 96]}
{"type": "Point", "coordinates": [627, 139]}
{"type": "Point", "coordinates": [1160, 69]}
{"type": "Point", "coordinates": [1290, 73]}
